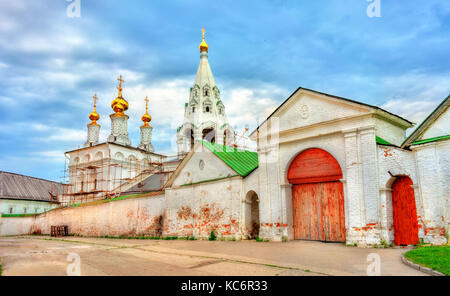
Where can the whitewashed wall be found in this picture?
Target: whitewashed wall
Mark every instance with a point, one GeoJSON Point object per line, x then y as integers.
{"type": "Point", "coordinates": [433, 165]}
{"type": "Point", "coordinates": [16, 226]}
{"type": "Point", "coordinates": [135, 216]}
{"type": "Point", "coordinates": [195, 210]}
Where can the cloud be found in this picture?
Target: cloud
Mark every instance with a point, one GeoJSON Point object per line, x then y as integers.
{"type": "Point", "coordinates": [51, 65]}
{"type": "Point", "coordinates": [415, 95]}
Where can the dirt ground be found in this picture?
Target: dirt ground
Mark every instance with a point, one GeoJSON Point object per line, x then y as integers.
{"type": "Point", "coordinates": [33, 255]}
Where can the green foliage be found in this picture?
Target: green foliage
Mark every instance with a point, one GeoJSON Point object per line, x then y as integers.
{"type": "Point", "coordinates": [434, 257]}
{"type": "Point", "coordinates": [18, 215]}
{"type": "Point", "coordinates": [284, 239]}
{"type": "Point", "coordinates": [212, 236]}
{"type": "Point", "coordinates": [1, 270]}
{"type": "Point", "coordinates": [261, 240]}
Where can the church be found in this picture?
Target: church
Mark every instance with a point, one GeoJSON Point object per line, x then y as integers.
{"type": "Point", "coordinates": [326, 168]}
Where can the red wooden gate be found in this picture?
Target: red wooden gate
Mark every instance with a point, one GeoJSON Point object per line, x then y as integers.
{"type": "Point", "coordinates": [317, 197]}
{"type": "Point", "coordinates": [404, 211]}
{"type": "Point", "coordinates": [318, 210]}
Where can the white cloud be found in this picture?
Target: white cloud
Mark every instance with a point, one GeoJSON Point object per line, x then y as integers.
{"type": "Point", "coordinates": [415, 95]}
{"type": "Point", "coordinates": [58, 134]}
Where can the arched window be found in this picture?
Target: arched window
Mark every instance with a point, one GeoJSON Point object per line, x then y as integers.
{"type": "Point", "coordinates": [87, 158]}
{"type": "Point", "coordinates": [99, 155]}
{"type": "Point", "coordinates": [209, 134]}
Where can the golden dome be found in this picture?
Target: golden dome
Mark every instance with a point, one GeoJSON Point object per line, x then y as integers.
{"type": "Point", "coordinates": [94, 116]}
{"type": "Point", "coordinates": [146, 118]}
{"type": "Point", "coordinates": [119, 105]}
{"type": "Point", "coordinates": [203, 45]}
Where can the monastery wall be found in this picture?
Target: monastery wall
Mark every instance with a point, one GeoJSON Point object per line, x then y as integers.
{"type": "Point", "coordinates": [195, 210]}
{"type": "Point", "coordinates": [394, 161]}
{"type": "Point", "coordinates": [135, 216]}
{"type": "Point", "coordinates": [16, 225]}
{"type": "Point", "coordinates": [433, 166]}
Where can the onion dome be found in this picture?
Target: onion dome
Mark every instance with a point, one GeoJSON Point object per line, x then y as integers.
{"type": "Point", "coordinates": [94, 116]}
{"type": "Point", "coordinates": [119, 105]}
{"type": "Point", "coordinates": [146, 118]}
{"type": "Point", "coordinates": [203, 45]}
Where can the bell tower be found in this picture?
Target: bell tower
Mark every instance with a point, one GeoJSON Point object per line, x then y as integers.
{"type": "Point", "coordinates": [204, 114]}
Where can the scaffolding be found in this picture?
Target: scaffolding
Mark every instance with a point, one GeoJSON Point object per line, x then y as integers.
{"type": "Point", "coordinates": [108, 178]}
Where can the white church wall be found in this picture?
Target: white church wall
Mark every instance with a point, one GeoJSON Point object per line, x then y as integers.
{"type": "Point", "coordinates": [195, 210]}
{"type": "Point", "coordinates": [433, 166]}
{"type": "Point", "coordinates": [203, 166]}
{"type": "Point", "coordinates": [389, 131]}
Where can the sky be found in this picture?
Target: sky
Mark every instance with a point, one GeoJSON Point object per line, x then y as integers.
{"type": "Point", "coordinates": [52, 63]}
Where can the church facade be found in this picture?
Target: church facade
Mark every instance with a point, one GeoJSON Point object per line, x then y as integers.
{"type": "Point", "coordinates": [326, 168]}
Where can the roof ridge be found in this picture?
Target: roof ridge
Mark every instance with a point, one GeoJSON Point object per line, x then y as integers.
{"type": "Point", "coordinates": [37, 178]}
{"type": "Point", "coordinates": [423, 124]}
{"type": "Point", "coordinates": [329, 95]}
{"type": "Point", "coordinates": [241, 161]}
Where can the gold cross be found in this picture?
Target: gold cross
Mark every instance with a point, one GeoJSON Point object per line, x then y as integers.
{"type": "Point", "coordinates": [146, 103]}
{"type": "Point", "coordinates": [203, 33]}
{"type": "Point", "coordinates": [95, 100]}
{"type": "Point", "coordinates": [120, 80]}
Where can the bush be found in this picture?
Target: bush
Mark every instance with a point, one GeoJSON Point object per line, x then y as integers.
{"type": "Point", "coordinates": [212, 236]}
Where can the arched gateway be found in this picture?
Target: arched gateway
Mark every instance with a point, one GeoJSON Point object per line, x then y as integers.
{"type": "Point", "coordinates": [317, 197]}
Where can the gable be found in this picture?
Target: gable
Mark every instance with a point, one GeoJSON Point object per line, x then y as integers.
{"type": "Point", "coordinates": [440, 127]}
{"type": "Point", "coordinates": [435, 127]}
{"type": "Point", "coordinates": [308, 108]}
{"type": "Point", "coordinates": [194, 172]}
{"type": "Point", "coordinates": [323, 108]}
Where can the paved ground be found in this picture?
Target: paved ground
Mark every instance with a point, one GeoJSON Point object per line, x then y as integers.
{"type": "Point", "coordinates": [28, 255]}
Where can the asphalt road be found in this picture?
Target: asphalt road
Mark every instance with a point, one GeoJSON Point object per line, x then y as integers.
{"type": "Point", "coordinates": [32, 255]}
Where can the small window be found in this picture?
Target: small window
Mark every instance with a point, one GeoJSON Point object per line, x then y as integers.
{"type": "Point", "coordinates": [193, 109]}
{"type": "Point", "coordinates": [206, 92]}
{"type": "Point", "coordinates": [11, 210]}
{"type": "Point", "coordinates": [25, 210]}
{"type": "Point", "coordinates": [207, 109]}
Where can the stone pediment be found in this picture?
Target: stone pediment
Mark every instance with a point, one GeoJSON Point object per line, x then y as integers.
{"type": "Point", "coordinates": [306, 108]}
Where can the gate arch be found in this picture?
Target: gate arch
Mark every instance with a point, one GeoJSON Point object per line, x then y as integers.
{"type": "Point", "coordinates": [317, 196]}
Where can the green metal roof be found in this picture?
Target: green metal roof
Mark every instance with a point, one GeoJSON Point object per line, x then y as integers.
{"type": "Point", "coordinates": [242, 162]}
{"type": "Point", "coordinates": [431, 140]}
{"type": "Point", "coordinates": [382, 141]}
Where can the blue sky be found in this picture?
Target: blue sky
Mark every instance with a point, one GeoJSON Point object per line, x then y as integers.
{"type": "Point", "coordinates": [260, 52]}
